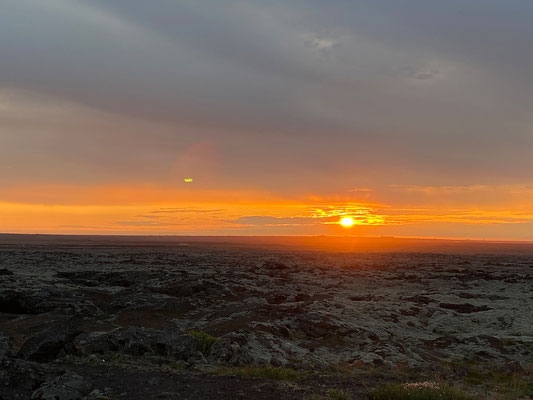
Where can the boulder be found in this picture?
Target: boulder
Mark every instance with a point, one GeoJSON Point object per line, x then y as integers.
{"type": "Point", "coordinates": [138, 341]}
{"type": "Point", "coordinates": [243, 348]}
{"type": "Point", "coordinates": [183, 347]}
{"type": "Point", "coordinates": [40, 301]}
{"type": "Point", "coordinates": [6, 348]}
{"type": "Point", "coordinates": [5, 272]}
{"type": "Point", "coordinates": [19, 378]}
{"type": "Point", "coordinates": [96, 395]}
{"type": "Point", "coordinates": [47, 344]}
{"type": "Point", "coordinates": [318, 325]}
{"type": "Point", "coordinates": [370, 358]}
{"type": "Point", "coordinates": [69, 386]}
{"type": "Point", "coordinates": [15, 302]}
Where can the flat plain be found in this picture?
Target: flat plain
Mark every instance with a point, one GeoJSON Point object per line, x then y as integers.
{"type": "Point", "coordinates": [109, 320]}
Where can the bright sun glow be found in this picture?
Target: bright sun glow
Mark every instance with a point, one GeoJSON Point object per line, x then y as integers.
{"type": "Point", "coordinates": [347, 221]}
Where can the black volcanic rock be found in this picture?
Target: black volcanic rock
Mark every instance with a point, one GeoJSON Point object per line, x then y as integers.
{"type": "Point", "coordinates": [138, 342]}
{"type": "Point", "coordinates": [367, 297]}
{"type": "Point", "coordinates": [97, 278]}
{"type": "Point", "coordinates": [421, 299]}
{"type": "Point", "coordinates": [277, 299]}
{"type": "Point", "coordinates": [19, 378]}
{"type": "Point", "coordinates": [15, 302]}
{"type": "Point", "coordinates": [275, 265]}
{"type": "Point", "coordinates": [465, 308]}
{"type": "Point", "coordinates": [267, 308]}
{"type": "Point", "coordinates": [35, 302]}
{"type": "Point", "coordinates": [244, 348]}
{"type": "Point", "coordinates": [181, 289]}
{"type": "Point", "coordinates": [69, 386]}
{"type": "Point", "coordinates": [47, 344]}
{"type": "Point", "coordinates": [6, 347]}
{"type": "Point", "coordinates": [5, 272]}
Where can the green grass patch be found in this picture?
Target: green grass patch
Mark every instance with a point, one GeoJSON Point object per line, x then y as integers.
{"type": "Point", "coordinates": [266, 372]}
{"type": "Point", "coordinates": [474, 377]}
{"type": "Point", "coordinates": [509, 385]}
{"type": "Point", "coordinates": [500, 383]}
{"type": "Point", "coordinates": [402, 392]}
{"type": "Point", "coordinates": [206, 341]}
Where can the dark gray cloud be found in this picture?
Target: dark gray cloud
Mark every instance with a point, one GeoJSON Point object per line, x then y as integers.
{"type": "Point", "coordinates": [294, 96]}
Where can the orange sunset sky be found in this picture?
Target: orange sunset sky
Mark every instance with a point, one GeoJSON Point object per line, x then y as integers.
{"type": "Point", "coordinates": [413, 119]}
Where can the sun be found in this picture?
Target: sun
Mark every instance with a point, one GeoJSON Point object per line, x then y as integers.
{"type": "Point", "coordinates": [347, 221]}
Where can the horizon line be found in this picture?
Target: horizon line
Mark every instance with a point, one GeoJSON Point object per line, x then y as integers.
{"type": "Point", "coordinates": [429, 238]}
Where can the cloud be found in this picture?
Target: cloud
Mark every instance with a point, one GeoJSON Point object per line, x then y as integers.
{"type": "Point", "coordinates": [179, 210]}
{"type": "Point", "coordinates": [291, 100]}
{"type": "Point", "coordinates": [147, 216]}
{"type": "Point", "coordinates": [275, 221]}
{"type": "Point", "coordinates": [320, 43]}
{"type": "Point", "coordinates": [145, 223]}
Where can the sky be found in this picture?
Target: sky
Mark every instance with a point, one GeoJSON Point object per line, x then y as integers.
{"type": "Point", "coordinates": [412, 117]}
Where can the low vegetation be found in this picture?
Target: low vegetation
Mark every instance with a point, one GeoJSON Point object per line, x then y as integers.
{"type": "Point", "coordinates": [495, 381]}
{"type": "Point", "coordinates": [265, 372]}
{"type": "Point", "coordinates": [338, 394]}
{"type": "Point", "coordinates": [333, 394]}
{"type": "Point", "coordinates": [206, 341]}
{"type": "Point", "coordinates": [418, 391]}
{"type": "Point", "coordinates": [504, 385]}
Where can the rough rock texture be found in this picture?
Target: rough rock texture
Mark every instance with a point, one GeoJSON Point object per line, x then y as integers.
{"type": "Point", "coordinates": [283, 308]}
{"type": "Point", "coordinates": [19, 378]}
{"type": "Point", "coordinates": [6, 347]}
{"type": "Point", "coordinates": [245, 348]}
{"type": "Point", "coordinates": [276, 307]}
{"type": "Point", "coordinates": [47, 344]}
{"type": "Point", "coordinates": [69, 386]}
{"type": "Point", "coordinates": [141, 341]}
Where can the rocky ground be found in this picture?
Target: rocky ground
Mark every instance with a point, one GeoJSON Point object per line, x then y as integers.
{"type": "Point", "coordinates": [136, 323]}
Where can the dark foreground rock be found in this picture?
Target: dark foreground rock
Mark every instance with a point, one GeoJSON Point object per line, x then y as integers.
{"type": "Point", "coordinates": [464, 308]}
{"type": "Point", "coordinates": [245, 348]}
{"type": "Point", "coordinates": [19, 379]}
{"type": "Point", "coordinates": [156, 323]}
{"type": "Point", "coordinates": [6, 347]}
{"type": "Point", "coordinates": [49, 343]}
{"type": "Point", "coordinates": [69, 386]}
{"type": "Point", "coordinates": [141, 341]}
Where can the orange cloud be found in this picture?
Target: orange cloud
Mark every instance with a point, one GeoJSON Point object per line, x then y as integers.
{"type": "Point", "coordinates": [148, 209]}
